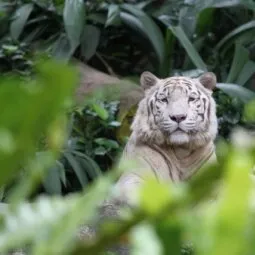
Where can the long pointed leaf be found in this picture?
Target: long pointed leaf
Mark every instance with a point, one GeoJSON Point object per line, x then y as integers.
{"type": "Point", "coordinates": [74, 19]}
{"type": "Point", "coordinates": [237, 31]}
{"type": "Point", "coordinates": [146, 25]}
{"type": "Point", "coordinates": [186, 43]}
{"type": "Point", "coordinates": [20, 20]}
{"type": "Point", "coordinates": [241, 56]}
{"type": "Point", "coordinates": [235, 90]}
{"type": "Point", "coordinates": [75, 164]}
{"type": "Point", "coordinates": [246, 73]}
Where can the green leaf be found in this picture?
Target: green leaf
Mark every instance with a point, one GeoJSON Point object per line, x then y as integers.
{"type": "Point", "coordinates": [232, 217]}
{"type": "Point", "coordinates": [201, 4]}
{"type": "Point", "coordinates": [107, 143]}
{"type": "Point", "coordinates": [241, 56]}
{"type": "Point", "coordinates": [62, 173]}
{"type": "Point", "coordinates": [144, 240]}
{"type": "Point", "coordinates": [186, 43]}
{"type": "Point", "coordinates": [234, 33]}
{"type": "Point", "coordinates": [62, 49]}
{"type": "Point", "coordinates": [53, 222]}
{"type": "Point", "coordinates": [75, 164]}
{"type": "Point", "coordinates": [235, 90]}
{"type": "Point", "coordinates": [89, 164]}
{"type": "Point", "coordinates": [20, 19]}
{"type": "Point", "coordinates": [249, 111]}
{"type": "Point", "coordinates": [100, 111]}
{"type": "Point", "coordinates": [74, 21]}
{"type": "Point", "coordinates": [113, 15]}
{"type": "Point", "coordinates": [90, 41]}
{"type": "Point", "coordinates": [141, 21]}
{"type": "Point", "coordinates": [100, 151]}
{"type": "Point", "coordinates": [148, 196]}
{"type": "Point", "coordinates": [246, 73]}
{"type": "Point", "coordinates": [44, 97]}
{"type": "Point", "coordinates": [51, 182]}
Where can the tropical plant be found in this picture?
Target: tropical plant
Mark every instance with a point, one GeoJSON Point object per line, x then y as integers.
{"type": "Point", "coordinates": [177, 219]}
{"type": "Point", "coordinates": [125, 38]}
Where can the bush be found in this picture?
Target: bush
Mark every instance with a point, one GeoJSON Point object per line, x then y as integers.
{"type": "Point", "coordinates": [177, 218]}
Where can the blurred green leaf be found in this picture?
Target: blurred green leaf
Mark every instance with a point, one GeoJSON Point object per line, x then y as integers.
{"type": "Point", "coordinates": [183, 39]}
{"type": "Point", "coordinates": [36, 100]}
{"type": "Point", "coordinates": [144, 240]}
{"type": "Point", "coordinates": [62, 48]}
{"type": "Point", "coordinates": [20, 19]}
{"type": "Point", "coordinates": [250, 111]}
{"type": "Point", "coordinates": [235, 90]}
{"type": "Point", "coordinates": [246, 73]}
{"type": "Point", "coordinates": [234, 33]}
{"type": "Point", "coordinates": [169, 232]}
{"type": "Point", "coordinates": [101, 151]}
{"type": "Point", "coordinates": [100, 111]}
{"type": "Point", "coordinates": [75, 164]}
{"type": "Point", "coordinates": [113, 15]}
{"type": "Point", "coordinates": [74, 21]}
{"type": "Point", "coordinates": [241, 56]}
{"type": "Point", "coordinates": [89, 41]}
{"type": "Point", "coordinates": [144, 24]}
{"type": "Point", "coordinates": [233, 212]}
{"type": "Point", "coordinates": [89, 164]}
{"type": "Point", "coordinates": [148, 195]}
{"type": "Point", "coordinates": [52, 180]}
{"type": "Point", "coordinates": [107, 143]}
{"type": "Point", "coordinates": [200, 4]}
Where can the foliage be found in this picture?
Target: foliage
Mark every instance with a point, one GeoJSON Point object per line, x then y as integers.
{"type": "Point", "coordinates": [188, 214]}
{"type": "Point", "coordinates": [90, 149]}
{"type": "Point", "coordinates": [123, 38]}
{"type": "Point", "coordinates": [165, 37]}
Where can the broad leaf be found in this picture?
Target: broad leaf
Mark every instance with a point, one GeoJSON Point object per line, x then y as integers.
{"type": "Point", "coordinates": [41, 99]}
{"type": "Point", "coordinates": [235, 90]}
{"type": "Point", "coordinates": [62, 48]}
{"type": "Point", "coordinates": [74, 21]}
{"type": "Point", "coordinates": [113, 14]}
{"type": "Point", "coordinates": [52, 181]}
{"type": "Point", "coordinates": [90, 41]}
{"type": "Point", "coordinates": [77, 168]}
{"type": "Point", "coordinates": [100, 111]}
{"type": "Point", "coordinates": [201, 4]}
{"type": "Point", "coordinates": [241, 56]}
{"type": "Point", "coordinates": [20, 19]}
{"type": "Point", "coordinates": [90, 166]}
{"type": "Point", "coordinates": [234, 33]}
{"type": "Point", "coordinates": [246, 73]}
{"type": "Point", "coordinates": [144, 240]}
{"type": "Point", "coordinates": [144, 24]}
{"type": "Point", "coordinates": [232, 217]}
{"type": "Point", "coordinates": [186, 43]}
{"type": "Point", "coordinates": [107, 143]}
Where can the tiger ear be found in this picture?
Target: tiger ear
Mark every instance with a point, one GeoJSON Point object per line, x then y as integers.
{"type": "Point", "coordinates": [148, 80]}
{"type": "Point", "coordinates": [208, 80]}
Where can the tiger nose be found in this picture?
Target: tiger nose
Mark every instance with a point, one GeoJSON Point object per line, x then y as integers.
{"type": "Point", "coordinates": [178, 118]}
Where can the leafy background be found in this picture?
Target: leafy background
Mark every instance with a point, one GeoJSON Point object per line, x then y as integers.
{"type": "Point", "coordinates": [124, 38]}
{"type": "Point", "coordinates": [80, 142]}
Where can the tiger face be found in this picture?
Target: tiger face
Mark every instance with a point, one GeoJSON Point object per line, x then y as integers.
{"type": "Point", "coordinates": [179, 110]}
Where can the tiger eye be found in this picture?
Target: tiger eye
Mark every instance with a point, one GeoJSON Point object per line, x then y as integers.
{"type": "Point", "coordinates": [191, 99]}
{"type": "Point", "coordinates": [164, 100]}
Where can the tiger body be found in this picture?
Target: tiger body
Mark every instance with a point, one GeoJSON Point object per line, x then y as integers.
{"type": "Point", "coordinates": [172, 133]}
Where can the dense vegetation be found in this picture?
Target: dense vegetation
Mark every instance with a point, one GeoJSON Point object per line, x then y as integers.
{"type": "Point", "coordinates": [61, 146]}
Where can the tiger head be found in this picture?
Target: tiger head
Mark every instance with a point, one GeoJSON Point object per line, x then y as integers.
{"type": "Point", "coordinates": [176, 111]}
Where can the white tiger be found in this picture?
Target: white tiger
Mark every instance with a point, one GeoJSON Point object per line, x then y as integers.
{"type": "Point", "coordinates": [173, 130]}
